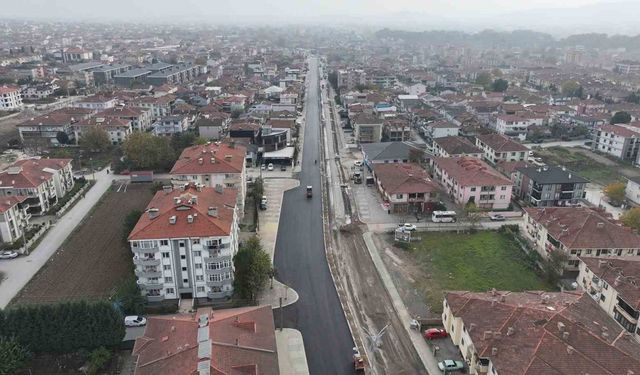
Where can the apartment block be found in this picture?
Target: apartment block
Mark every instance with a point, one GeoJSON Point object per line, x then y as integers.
{"type": "Point", "coordinates": [498, 147]}
{"type": "Point", "coordinates": [184, 243]}
{"type": "Point", "coordinates": [548, 186]}
{"type": "Point", "coordinates": [621, 141]}
{"type": "Point", "coordinates": [10, 98]}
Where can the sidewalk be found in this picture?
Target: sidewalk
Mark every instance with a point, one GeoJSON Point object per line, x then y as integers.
{"type": "Point", "coordinates": [268, 222]}
{"type": "Point", "coordinates": [423, 350]}
{"type": "Point", "coordinates": [19, 271]}
{"type": "Point", "coordinates": [292, 359]}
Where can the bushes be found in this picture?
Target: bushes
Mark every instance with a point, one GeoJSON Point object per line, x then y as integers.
{"type": "Point", "coordinates": [64, 327]}
{"type": "Point", "coordinates": [98, 359]}
{"type": "Point", "coordinates": [12, 356]}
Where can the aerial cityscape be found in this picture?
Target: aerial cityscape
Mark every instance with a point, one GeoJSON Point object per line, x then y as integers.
{"type": "Point", "coordinates": [302, 187]}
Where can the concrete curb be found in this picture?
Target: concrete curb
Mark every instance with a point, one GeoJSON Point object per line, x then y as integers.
{"type": "Point", "coordinates": [292, 358]}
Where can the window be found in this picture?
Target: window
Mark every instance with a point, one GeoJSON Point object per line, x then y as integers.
{"type": "Point", "coordinates": [183, 256]}
{"type": "Point", "coordinates": [399, 196]}
{"type": "Point", "coordinates": [197, 253]}
{"type": "Point", "coordinates": [196, 241]}
{"type": "Point", "coordinates": [200, 289]}
{"type": "Point", "coordinates": [198, 266]}
{"type": "Point", "coordinates": [186, 281]}
{"type": "Point", "coordinates": [602, 297]}
{"type": "Point", "coordinates": [473, 189]}
{"type": "Point", "coordinates": [164, 242]}
{"type": "Point", "coordinates": [168, 279]}
{"type": "Point", "coordinates": [589, 251]}
{"type": "Point", "coordinates": [170, 291]}
{"type": "Point", "coordinates": [184, 269]}
{"type": "Point", "coordinates": [503, 188]}
{"type": "Point", "coordinates": [166, 255]}
{"type": "Point", "coordinates": [166, 267]}
{"type": "Point", "coordinates": [199, 278]}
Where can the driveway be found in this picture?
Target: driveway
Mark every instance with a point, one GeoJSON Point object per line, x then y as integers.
{"type": "Point", "coordinates": [19, 271]}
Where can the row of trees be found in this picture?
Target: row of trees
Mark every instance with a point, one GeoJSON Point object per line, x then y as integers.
{"type": "Point", "coordinates": [147, 151]}
{"type": "Point", "coordinates": [616, 194]}
{"type": "Point", "coordinates": [64, 327]}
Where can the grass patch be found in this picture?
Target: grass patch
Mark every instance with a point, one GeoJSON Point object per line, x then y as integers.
{"type": "Point", "coordinates": [581, 164]}
{"type": "Point", "coordinates": [476, 262]}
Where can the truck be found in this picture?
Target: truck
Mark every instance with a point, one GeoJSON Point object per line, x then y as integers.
{"type": "Point", "coordinates": [309, 191]}
{"type": "Point", "coordinates": [357, 177]}
{"type": "Point", "coordinates": [358, 361]}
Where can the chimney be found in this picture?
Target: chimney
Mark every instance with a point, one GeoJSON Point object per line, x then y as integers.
{"type": "Point", "coordinates": [565, 335]}
{"type": "Point", "coordinates": [173, 328]}
{"type": "Point", "coordinates": [494, 351]}
{"type": "Point", "coordinates": [167, 188]}
{"type": "Point", "coordinates": [200, 161]}
{"type": "Point", "coordinates": [237, 341]}
{"type": "Point", "coordinates": [600, 225]}
{"type": "Point", "coordinates": [601, 263]}
{"type": "Point", "coordinates": [570, 349]}
{"type": "Point", "coordinates": [510, 331]}
{"type": "Point", "coordinates": [486, 335]}
{"type": "Point", "coordinates": [189, 219]}
{"type": "Point", "coordinates": [497, 334]}
{"type": "Point", "coordinates": [213, 160]}
{"type": "Point", "coordinates": [617, 281]}
{"type": "Point", "coordinates": [213, 211]}
{"type": "Point", "coordinates": [560, 326]}
{"type": "Point", "coordinates": [172, 219]}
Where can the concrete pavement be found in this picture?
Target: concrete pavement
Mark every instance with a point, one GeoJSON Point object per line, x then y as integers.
{"type": "Point", "coordinates": [595, 196]}
{"type": "Point", "coordinates": [292, 359]}
{"type": "Point", "coordinates": [19, 271]}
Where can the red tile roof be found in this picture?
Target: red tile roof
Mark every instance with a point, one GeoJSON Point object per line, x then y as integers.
{"type": "Point", "coordinates": [584, 228]}
{"type": "Point", "coordinates": [501, 143]}
{"type": "Point", "coordinates": [181, 204]}
{"type": "Point", "coordinates": [30, 173]}
{"type": "Point", "coordinates": [620, 131]}
{"type": "Point", "coordinates": [5, 89]}
{"type": "Point", "coordinates": [468, 171]}
{"type": "Point", "coordinates": [7, 202]}
{"type": "Point", "coordinates": [533, 333]}
{"type": "Point", "coordinates": [217, 157]}
{"type": "Point", "coordinates": [60, 117]}
{"type": "Point", "coordinates": [455, 145]}
{"type": "Point", "coordinates": [242, 342]}
{"type": "Point", "coordinates": [107, 122]}
{"type": "Point", "coordinates": [406, 178]}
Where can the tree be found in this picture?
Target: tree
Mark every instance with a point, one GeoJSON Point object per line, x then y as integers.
{"type": "Point", "coordinates": [181, 141]}
{"type": "Point", "coordinates": [615, 192]}
{"type": "Point", "coordinates": [631, 218]}
{"type": "Point", "coordinates": [96, 139]}
{"type": "Point", "coordinates": [500, 85]}
{"type": "Point", "coordinates": [62, 138]}
{"type": "Point", "coordinates": [130, 222]}
{"type": "Point", "coordinates": [483, 79]}
{"type": "Point", "coordinates": [13, 356]}
{"type": "Point", "coordinates": [621, 117]}
{"type": "Point", "coordinates": [252, 269]}
{"type": "Point", "coordinates": [128, 297]}
{"type": "Point", "coordinates": [98, 358]}
{"type": "Point", "coordinates": [473, 214]}
{"type": "Point", "coordinates": [633, 98]}
{"type": "Point", "coordinates": [570, 88]}
{"type": "Point", "coordinates": [146, 151]}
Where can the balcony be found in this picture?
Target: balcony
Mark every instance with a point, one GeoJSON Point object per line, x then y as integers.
{"type": "Point", "coordinates": [218, 283]}
{"type": "Point", "coordinates": [140, 250]}
{"type": "Point", "coordinates": [148, 273]}
{"type": "Point", "coordinates": [146, 261]}
{"type": "Point", "coordinates": [155, 298]}
{"type": "Point", "coordinates": [147, 285]}
{"type": "Point", "coordinates": [218, 295]}
{"type": "Point", "coordinates": [216, 271]}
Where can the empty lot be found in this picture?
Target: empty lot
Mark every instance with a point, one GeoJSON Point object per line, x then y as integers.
{"type": "Point", "coordinates": [94, 260]}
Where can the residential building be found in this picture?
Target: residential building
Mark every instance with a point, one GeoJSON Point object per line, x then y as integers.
{"type": "Point", "coordinates": [117, 129]}
{"type": "Point", "coordinates": [613, 284]}
{"type": "Point", "coordinates": [548, 186]}
{"type": "Point", "coordinates": [392, 152]}
{"type": "Point", "coordinates": [533, 333]}
{"type": "Point", "coordinates": [577, 231]}
{"type": "Point", "coordinates": [632, 190]}
{"type": "Point", "coordinates": [76, 54]}
{"type": "Point", "coordinates": [274, 139]}
{"type": "Point", "coordinates": [140, 118]}
{"type": "Point", "coordinates": [396, 130]}
{"type": "Point", "coordinates": [10, 98]}
{"type": "Point", "coordinates": [367, 129]}
{"type": "Point", "coordinates": [160, 106]}
{"type": "Point", "coordinates": [96, 103]}
{"type": "Point", "coordinates": [440, 129]}
{"type": "Point", "coordinates": [105, 74]}
{"type": "Point", "coordinates": [162, 73]}
{"type": "Point", "coordinates": [513, 125]}
{"type": "Point", "coordinates": [621, 141]}
{"type": "Point", "coordinates": [627, 67]}
{"type": "Point", "coordinates": [14, 218]}
{"type": "Point", "coordinates": [132, 77]}
{"type": "Point", "coordinates": [215, 164]}
{"type": "Point", "coordinates": [41, 181]}
{"type": "Point", "coordinates": [44, 129]}
{"type": "Point", "coordinates": [406, 187]}
{"type": "Point", "coordinates": [498, 147]}
{"type": "Point", "coordinates": [36, 92]}
{"type": "Point", "coordinates": [170, 125]}
{"type": "Point", "coordinates": [230, 341]}
{"type": "Point", "coordinates": [212, 128]}
{"type": "Point", "coordinates": [470, 180]}
{"type": "Point", "coordinates": [454, 147]}
{"type": "Point", "coordinates": [184, 243]}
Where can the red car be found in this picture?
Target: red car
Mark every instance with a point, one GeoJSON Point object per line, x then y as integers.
{"type": "Point", "coordinates": [435, 333]}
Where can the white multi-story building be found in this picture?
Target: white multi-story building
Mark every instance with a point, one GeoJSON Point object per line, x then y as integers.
{"type": "Point", "coordinates": [613, 284]}
{"type": "Point", "coordinates": [184, 244]}
{"type": "Point", "coordinates": [632, 190]}
{"type": "Point", "coordinates": [10, 98]}
{"type": "Point", "coordinates": [215, 164]}
{"type": "Point", "coordinates": [14, 218]}
{"type": "Point", "coordinates": [620, 140]}
{"type": "Point", "coordinates": [498, 147]}
{"type": "Point", "coordinates": [516, 125]}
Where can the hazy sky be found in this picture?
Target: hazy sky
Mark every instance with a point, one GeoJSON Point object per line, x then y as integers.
{"type": "Point", "coordinates": [417, 14]}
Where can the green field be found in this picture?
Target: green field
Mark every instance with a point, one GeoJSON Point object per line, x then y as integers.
{"type": "Point", "coordinates": [476, 262]}
{"type": "Point", "coordinates": [581, 164]}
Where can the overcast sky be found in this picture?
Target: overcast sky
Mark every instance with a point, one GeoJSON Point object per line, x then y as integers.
{"type": "Point", "coordinates": [404, 13]}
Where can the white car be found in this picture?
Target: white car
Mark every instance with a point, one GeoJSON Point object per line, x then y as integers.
{"type": "Point", "coordinates": [358, 163]}
{"type": "Point", "coordinates": [8, 255]}
{"type": "Point", "coordinates": [134, 321]}
{"type": "Point", "coordinates": [270, 167]}
{"type": "Point", "coordinates": [408, 227]}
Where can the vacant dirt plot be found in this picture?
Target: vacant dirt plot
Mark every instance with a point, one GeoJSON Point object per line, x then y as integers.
{"type": "Point", "coordinates": [94, 260]}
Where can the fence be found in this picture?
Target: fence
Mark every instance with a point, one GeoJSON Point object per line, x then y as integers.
{"type": "Point", "coordinates": [73, 199]}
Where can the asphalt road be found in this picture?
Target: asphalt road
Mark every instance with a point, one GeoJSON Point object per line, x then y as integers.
{"type": "Point", "coordinates": [301, 263]}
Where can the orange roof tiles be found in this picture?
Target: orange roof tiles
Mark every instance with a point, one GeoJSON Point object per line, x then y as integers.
{"type": "Point", "coordinates": [404, 178]}
{"type": "Point", "coordinates": [211, 158]}
{"type": "Point", "coordinates": [468, 171]}
{"type": "Point", "coordinates": [30, 173]}
{"type": "Point", "coordinates": [182, 204]}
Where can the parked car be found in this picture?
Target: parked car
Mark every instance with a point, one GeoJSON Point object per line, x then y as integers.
{"type": "Point", "coordinates": [358, 163]}
{"type": "Point", "coordinates": [450, 365]}
{"type": "Point", "coordinates": [435, 333]}
{"type": "Point", "coordinates": [270, 167]}
{"type": "Point", "coordinates": [263, 203]}
{"type": "Point", "coordinates": [408, 227]}
{"type": "Point", "coordinates": [134, 321]}
{"type": "Point", "coordinates": [283, 167]}
{"type": "Point", "coordinates": [8, 255]}
{"type": "Point", "coordinates": [263, 167]}
{"type": "Point", "coordinates": [497, 217]}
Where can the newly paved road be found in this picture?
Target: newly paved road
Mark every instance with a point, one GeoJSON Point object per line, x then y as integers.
{"type": "Point", "coordinates": [301, 263]}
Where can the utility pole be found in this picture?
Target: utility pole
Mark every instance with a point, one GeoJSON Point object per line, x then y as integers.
{"type": "Point", "coordinates": [281, 315]}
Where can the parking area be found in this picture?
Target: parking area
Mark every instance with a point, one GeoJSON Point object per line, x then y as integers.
{"type": "Point", "coordinates": [274, 189]}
